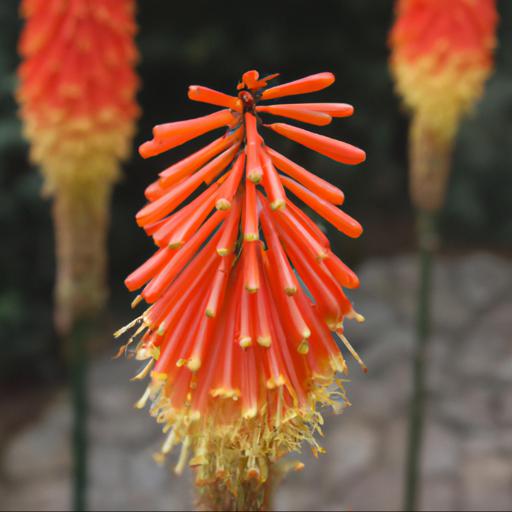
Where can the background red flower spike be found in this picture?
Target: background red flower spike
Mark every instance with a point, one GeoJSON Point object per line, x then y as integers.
{"type": "Point", "coordinates": [255, 281]}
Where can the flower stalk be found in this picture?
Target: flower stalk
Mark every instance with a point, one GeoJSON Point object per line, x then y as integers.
{"type": "Point", "coordinates": [441, 57]}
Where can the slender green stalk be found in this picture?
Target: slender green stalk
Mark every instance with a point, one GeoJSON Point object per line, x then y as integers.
{"type": "Point", "coordinates": [78, 338]}
{"type": "Point", "coordinates": [427, 241]}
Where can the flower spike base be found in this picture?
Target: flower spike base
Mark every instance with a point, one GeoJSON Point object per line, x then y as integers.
{"type": "Point", "coordinates": [246, 299]}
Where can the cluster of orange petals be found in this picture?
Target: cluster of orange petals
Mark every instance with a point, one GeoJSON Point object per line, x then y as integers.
{"type": "Point", "coordinates": [244, 291]}
{"type": "Point", "coordinates": [442, 55]}
{"type": "Point", "coordinates": [78, 84]}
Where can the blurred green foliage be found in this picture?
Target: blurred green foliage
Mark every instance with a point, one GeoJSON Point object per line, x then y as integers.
{"type": "Point", "coordinates": [212, 43]}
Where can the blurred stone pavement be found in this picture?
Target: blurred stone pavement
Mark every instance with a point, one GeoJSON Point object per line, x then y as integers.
{"type": "Point", "coordinates": [468, 449]}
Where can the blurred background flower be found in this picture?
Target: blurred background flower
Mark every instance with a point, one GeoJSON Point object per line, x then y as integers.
{"type": "Point", "coordinates": [468, 434]}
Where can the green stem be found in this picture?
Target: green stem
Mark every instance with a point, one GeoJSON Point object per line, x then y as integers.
{"type": "Point", "coordinates": [78, 338]}
{"type": "Point", "coordinates": [427, 240]}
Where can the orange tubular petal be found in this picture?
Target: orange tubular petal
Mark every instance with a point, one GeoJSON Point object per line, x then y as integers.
{"type": "Point", "coordinates": [305, 85]}
{"type": "Point", "coordinates": [250, 220]}
{"type": "Point", "coordinates": [219, 163]}
{"type": "Point", "coordinates": [280, 266]}
{"type": "Point", "coordinates": [154, 191]}
{"type": "Point", "coordinates": [193, 127]}
{"type": "Point", "coordinates": [187, 286]}
{"type": "Point", "coordinates": [177, 194]}
{"type": "Point", "coordinates": [218, 287]}
{"type": "Point", "coordinates": [308, 224]}
{"type": "Point", "coordinates": [171, 224]}
{"type": "Point", "coordinates": [316, 281]}
{"type": "Point", "coordinates": [251, 268]}
{"type": "Point", "coordinates": [339, 219]}
{"type": "Point", "coordinates": [343, 275]}
{"type": "Point", "coordinates": [245, 336]}
{"type": "Point", "coordinates": [155, 288]}
{"type": "Point", "coordinates": [190, 223]}
{"type": "Point", "coordinates": [232, 183]}
{"type": "Point", "coordinates": [148, 269]}
{"type": "Point", "coordinates": [321, 187]}
{"type": "Point", "coordinates": [254, 171]}
{"type": "Point", "coordinates": [191, 163]}
{"type": "Point", "coordinates": [297, 113]}
{"type": "Point", "coordinates": [331, 109]}
{"type": "Point", "coordinates": [289, 224]}
{"type": "Point", "coordinates": [171, 135]}
{"type": "Point", "coordinates": [207, 95]}
{"type": "Point", "coordinates": [332, 148]}
{"type": "Point", "coordinates": [261, 313]}
{"type": "Point", "coordinates": [272, 183]}
{"type": "Point", "coordinates": [229, 234]}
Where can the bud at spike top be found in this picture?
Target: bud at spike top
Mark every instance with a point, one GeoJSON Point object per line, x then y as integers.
{"type": "Point", "coordinates": [77, 102]}
{"type": "Point", "coordinates": [441, 56]}
{"type": "Point", "coordinates": [245, 295]}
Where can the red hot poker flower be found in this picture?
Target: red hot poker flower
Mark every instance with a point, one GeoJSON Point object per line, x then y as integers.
{"type": "Point", "coordinates": [441, 56]}
{"type": "Point", "coordinates": [244, 292]}
{"type": "Point", "coordinates": [77, 102]}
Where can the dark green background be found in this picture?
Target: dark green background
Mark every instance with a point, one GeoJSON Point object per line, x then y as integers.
{"type": "Point", "coordinates": [212, 43]}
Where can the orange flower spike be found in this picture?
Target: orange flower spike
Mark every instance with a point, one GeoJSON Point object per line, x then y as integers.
{"type": "Point", "coordinates": [299, 114]}
{"type": "Point", "coordinates": [206, 95]}
{"type": "Point", "coordinates": [305, 85]}
{"type": "Point", "coordinates": [332, 148]}
{"type": "Point", "coordinates": [339, 219]}
{"type": "Point", "coordinates": [441, 56]}
{"type": "Point", "coordinates": [244, 358]}
{"type": "Point", "coordinates": [76, 94]}
{"type": "Point", "coordinates": [317, 185]}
